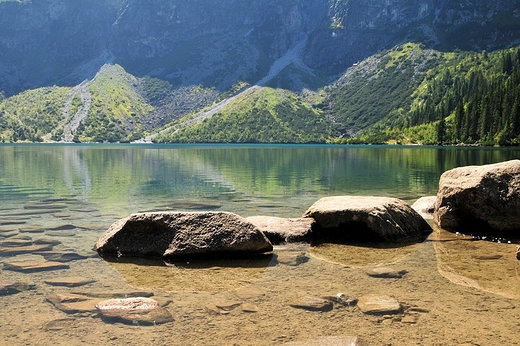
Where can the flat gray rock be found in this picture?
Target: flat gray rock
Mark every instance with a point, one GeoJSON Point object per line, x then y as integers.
{"type": "Point", "coordinates": [366, 219]}
{"type": "Point", "coordinates": [177, 234]}
{"type": "Point", "coordinates": [480, 199]}
{"type": "Point", "coordinates": [281, 230]}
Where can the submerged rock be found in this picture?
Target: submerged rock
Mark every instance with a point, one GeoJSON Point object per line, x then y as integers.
{"type": "Point", "coordinates": [12, 287]}
{"type": "Point", "coordinates": [378, 304]}
{"type": "Point", "coordinates": [71, 303]}
{"type": "Point", "coordinates": [135, 311]}
{"type": "Point", "coordinates": [72, 281]}
{"type": "Point", "coordinates": [312, 304]}
{"type": "Point", "coordinates": [281, 230]}
{"type": "Point", "coordinates": [61, 256]}
{"type": "Point", "coordinates": [178, 234]}
{"type": "Point", "coordinates": [366, 219]}
{"type": "Point", "coordinates": [33, 266]}
{"type": "Point", "coordinates": [17, 250]}
{"type": "Point", "coordinates": [330, 341]}
{"type": "Point", "coordinates": [385, 273]}
{"type": "Point", "coordinates": [480, 199]}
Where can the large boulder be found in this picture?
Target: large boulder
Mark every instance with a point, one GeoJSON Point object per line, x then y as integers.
{"type": "Point", "coordinates": [366, 219]}
{"type": "Point", "coordinates": [480, 199]}
{"type": "Point", "coordinates": [179, 234]}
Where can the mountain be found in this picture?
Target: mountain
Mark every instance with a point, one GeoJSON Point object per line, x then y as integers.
{"type": "Point", "coordinates": [120, 70]}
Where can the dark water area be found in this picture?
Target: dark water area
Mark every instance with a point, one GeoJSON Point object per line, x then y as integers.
{"type": "Point", "coordinates": [56, 200]}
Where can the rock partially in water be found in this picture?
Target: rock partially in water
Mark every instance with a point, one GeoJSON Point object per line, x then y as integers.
{"type": "Point", "coordinates": [362, 218]}
{"type": "Point", "coordinates": [12, 287]}
{"type": "Point", "coordinates": [281, 230]}
{"type": "Point", "coordinates": [378, 304]}
{"type": "Point", "coordinates": [33, 266]}
{"type": "Point", "coordinates": [330, 341]}
{"type": "Point", "coordinates": [177, 234]}
{"type": "Point", "coordinates": [480, 199]}
{"type": "Point", "coordinates": [71, 281]}
{"type": "Point", "coordinates": [312, 304]}
{"type": "Point", "coordinates": [425, 206]}
{"type": "Point", "coordinates": [134, 311]}
{"type": "Point", "coordinates": [385, 273]}
{"type": "Point", "coordinates": [518, 253]}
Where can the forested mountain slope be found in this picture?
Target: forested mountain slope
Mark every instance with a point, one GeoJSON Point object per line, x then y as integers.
{"type": "Point", "coordinates": [321, 70]}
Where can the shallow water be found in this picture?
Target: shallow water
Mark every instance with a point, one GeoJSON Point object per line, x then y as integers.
{"type": "Point", "coordinates": [456, 290]}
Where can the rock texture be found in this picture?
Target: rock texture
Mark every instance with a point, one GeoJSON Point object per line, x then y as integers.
{"type": "Point", "coordinates": [366, 219]}
{"type": "Point", "coordinates": [480, 199]}
{"type": "Point", "coordinates": [135, 311]}
{"type": "Point", "coordinates": [425, 206]}
{"type": "Point", "coordinates": [178, 234]}
{"type": "Point", "coordinates": [281, 230]}
{"type": "Point", "coordinates": [378, 304]}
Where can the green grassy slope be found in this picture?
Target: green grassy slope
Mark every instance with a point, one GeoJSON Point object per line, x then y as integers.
{"type": "Point", "coordinates": [264, 115]}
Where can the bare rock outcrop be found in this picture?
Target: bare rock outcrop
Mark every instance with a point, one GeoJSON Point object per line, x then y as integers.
{"type": "Point", "coordinates": [366, 219]}
{"type": "Point", "coordinates": [181, 234]}
{"type": "Point", "coordinates": [480, 199]}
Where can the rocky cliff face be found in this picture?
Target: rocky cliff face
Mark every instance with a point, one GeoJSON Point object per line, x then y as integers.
{"type": "Point", "coordinates": [217, 43]}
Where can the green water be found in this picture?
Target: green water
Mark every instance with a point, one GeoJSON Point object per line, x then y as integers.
{"type": "Point", "coordinates": [71, 194]}
{"type": "Point", "coordinates": [277, 180]}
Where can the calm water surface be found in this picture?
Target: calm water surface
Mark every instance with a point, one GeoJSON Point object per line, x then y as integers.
{"type": "Point", "coordinates": [69, 194]}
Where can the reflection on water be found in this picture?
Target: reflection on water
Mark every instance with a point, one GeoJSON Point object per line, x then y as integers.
{"type": "Point", "coordinates": [484, 265]}
{"type": "Point", "coordinates": [65, 197]}
{"type": "Point", "coordinates": [208, 276]}
{"type": "Point", "coordinates": [353, 255]}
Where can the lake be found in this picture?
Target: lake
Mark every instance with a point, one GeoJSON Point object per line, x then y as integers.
{"type": "Point", "coordinates": [456, 290]}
